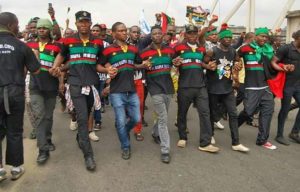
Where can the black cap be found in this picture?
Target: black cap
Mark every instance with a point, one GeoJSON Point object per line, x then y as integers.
{"type": "Point", "coordinates": [191, 28]}
{"type": "Point", "coordinates": [81, 15]}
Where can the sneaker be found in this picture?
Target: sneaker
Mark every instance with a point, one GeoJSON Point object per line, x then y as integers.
{"type": "Point", "coordinates": [2, 174]}
{"type": "Point", "coordinates": [209, 148]}
{"type": "Point", "coordinates": [97, 127]}
{"type": "Point", "coordinates": [269, 145]}
{"type": "Point", "coordinates": [295, 137]}
{"type": "Point", "coordinates": [240, 148]}
{"type": "Point", "coordinates": [93, 136]}
{"type": "Point", "coordinates": [219, 125]}
{"type": "Point", "coordinates": [126, 154]}
{"type": "Point", "coordinates": [181, 143]}
{"type": "Point", "coordinates": [282, 140]}
{"type": "Point", "coordinates": [17, 172]}
{"type": "Point", "coordinates": [51, 145]}
{"type": "Point", "coordinates": [73, 125]}
{"type": "Point", "coordinates": [32, 134]}
{"type": "Point", "coordinates": [213, 141]}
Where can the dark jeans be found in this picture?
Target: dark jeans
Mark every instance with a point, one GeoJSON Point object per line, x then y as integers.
{"type": "Point", "coordinates": [11, 125]}
{"type": "Point", "coordinates": [198, 96]}
{"type": "Point", "coordinates": [265, 101]}
{"type": "Point", "coordinates": [228, 100]}
{"type": "Point", "coordinates": [240, 94]}
{"type": "Point", "coordinates": [42, 105]}
{"type": "Point", "coordinates": [97, 113]}
{"type": "Point", "coordinates": [83, 105]}
{"type": "Point", "coordinates": [288, 93]}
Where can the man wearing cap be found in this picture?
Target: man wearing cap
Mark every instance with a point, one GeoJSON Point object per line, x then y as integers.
{"type": "Point", "coordinates": [192, 88]}
{"type": "Point", "coordinates": [83, 52]}
{"type": "Point", "coordinates": [44, 88]}
{"type": "Point", "coordinates": [257, 55]}
{"type": "Point", "coordinates": [14, 57]}
{"type": "Point", "coordinates": [219, 84]}
{"type": "Point", "coordinates": [103, 34]}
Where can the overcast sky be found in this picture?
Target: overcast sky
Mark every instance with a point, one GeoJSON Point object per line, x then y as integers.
{"type": "Point", "coordinates": [128, 11]}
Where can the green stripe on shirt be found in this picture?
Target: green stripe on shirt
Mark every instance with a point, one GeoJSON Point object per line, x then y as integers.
{"type": "Point", "coordinates": [192, 55]}
{"type": "Point", "coordinates": [121, 56]}
{"type": "Point", "coordinates": [161, 60]}
{"type": "Point", "coordinates": [78, 50]}
{"type": "Point", "coordinates": [46, 57]}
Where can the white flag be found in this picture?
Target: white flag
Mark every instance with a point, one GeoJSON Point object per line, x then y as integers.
{"type": "Point", "coordinates": [144, 25]}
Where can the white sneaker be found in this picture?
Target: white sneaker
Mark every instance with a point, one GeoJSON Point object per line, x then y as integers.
{"type": "Point", "coordinates": [2, 174]}
{"type": "Point", "coordinates": [210, 148]}
{"type": "Point", "coordinates": [93, 136]}
{"type": "Point", "coordinates": [73, 125]}
{"type": "Point", "coordinates": [240, 148]}
{"type": "Point", "coordinates": [181, 143]}
{"type": "Point", "coordinates": [219, 125]}
{"type": "Point", "coordinates": [213, 141]}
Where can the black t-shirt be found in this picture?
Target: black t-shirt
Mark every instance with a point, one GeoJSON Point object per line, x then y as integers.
{"type": "Point", "coordinates": [14, 56]}
{"type": "Point", "coordinates": [190, 71]}
{"type": "Point", "coordinates": [220, 80]}
{"type": "Point", "coordinates": [124, 61]}
{"type": "Point", "coordinates": [44, 81]}
{"type": "Point", "coordinates": [83, 58]}
{"type": "Point", "coordinates": [288, 54]}
{"type": "Point", "coordinates": [158, 77]}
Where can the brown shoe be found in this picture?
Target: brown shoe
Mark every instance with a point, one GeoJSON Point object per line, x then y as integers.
{"type": "Point", "coordinates": [139, 136]}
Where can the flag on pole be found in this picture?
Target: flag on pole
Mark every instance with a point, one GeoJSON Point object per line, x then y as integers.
{"type": "Point", "coordinates": [144, 25]}
{"type": "Point", "coordinates": [165, 20]}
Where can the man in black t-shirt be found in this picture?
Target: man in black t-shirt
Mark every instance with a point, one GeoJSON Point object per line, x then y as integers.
{"type": "Point", "coordinates": [219, 84]}
{"type": "Point", "coordinates": [289, 55]}
{"type": "Point", "coordinates": [14, 57]}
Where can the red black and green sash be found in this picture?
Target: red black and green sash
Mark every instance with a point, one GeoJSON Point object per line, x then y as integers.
{"type": "Point", "coordinates": [250, 59]}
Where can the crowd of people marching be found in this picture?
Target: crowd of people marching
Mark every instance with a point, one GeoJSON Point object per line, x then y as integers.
{"type": "Point", "coordinates": [89, 69]}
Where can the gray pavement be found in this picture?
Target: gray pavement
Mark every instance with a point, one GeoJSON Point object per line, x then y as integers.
{"type": "Point", "coordinates": [190, 170]}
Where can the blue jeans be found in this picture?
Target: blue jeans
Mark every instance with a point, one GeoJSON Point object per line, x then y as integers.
{"type": "Point", "coordinates": [97, 113]}
{"type": "Point", "coordinates": [122, 102]}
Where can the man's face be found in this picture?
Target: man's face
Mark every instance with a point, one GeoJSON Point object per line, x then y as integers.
{"type": "Point", "coordinates": [96, 31]}
{"type": "Point", "coordinates": [213, 38]}
{"type": "Point", "coordinates": [261, 39]}
{"type": "Point", "coordinates": [32, 28]}
{"type": "Point", "coordinates": [103, 31]}
{"type": "Point", "coordinates": [171, 30]}
{"type": "Point", "coordinates": [69, 32]}
{"type": "Point", "coordinates": [120, 33]}
{"type": "Point", "coordinates": [135, 33]}
{"type": "Point", "coordinates": [157, 36]}
{"type": "Point", "coordinates": [191, 37]}
{"type": "Point", "coordinates": [43, 32]}
{"type": "Point", "coordinates": [83, 26]}
{"type": "Point", "coordinates": [226, 42]}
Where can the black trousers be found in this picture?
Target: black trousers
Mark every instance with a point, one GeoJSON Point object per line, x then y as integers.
{"type": "Point", "coordinates": [11, 125]}
{"type": "Point", "coordinates": [265, 101]}
{"type": "Point", "coordinates": [198, 96]}
{"type": "Point", "coordinates": [288, 93]}
{"type": "Point", "coordinates": [83, 105]}
{"type": "Point", "coordinates": [229, 102]}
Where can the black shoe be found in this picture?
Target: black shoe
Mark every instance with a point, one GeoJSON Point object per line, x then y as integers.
{"type": "Point", "coordinates": [51, 146]}
{"type": "Point", "coordinates": [165, 158]}
{"type": "Point", "coordinates": [126, 154]}
{"type": "Point", "coordinates": [295, 137]}
{"type": "Point", "coordinates": [42, 157]}
{"type": "Point", "coordinates": [156, 139]}
{"type": "Point", "coordinates": [282, 140]}
{"type": "Point", "coordinates": [97, 127]}
{"type": "Point", "coordinates": [144, 123]}
{"type": "Point", "coordinates": [90, 163]}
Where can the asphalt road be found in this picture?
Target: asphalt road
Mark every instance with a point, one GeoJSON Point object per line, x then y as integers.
{"type": "Point", "coordinates": [190, 169]}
